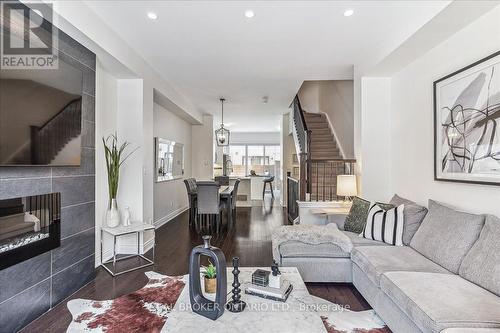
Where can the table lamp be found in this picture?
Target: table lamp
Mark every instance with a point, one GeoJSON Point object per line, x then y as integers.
{"type": "Point", "coordinates": [347, 186]}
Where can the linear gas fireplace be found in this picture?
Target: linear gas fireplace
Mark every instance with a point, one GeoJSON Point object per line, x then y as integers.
{"type": "Point", "coordinates": [29, 226]}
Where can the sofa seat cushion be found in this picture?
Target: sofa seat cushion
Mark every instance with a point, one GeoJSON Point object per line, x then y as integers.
{"type": "Point", "coordinates": [446, 235]}
{"type": "Point", "coordinates": [298, 249]}
{"type": "Point", "coordinates": [361, 241]}
{"type": "Point", "coordinates": [436, 301]}
{"type": "Point", "coordinates": [377, 260]}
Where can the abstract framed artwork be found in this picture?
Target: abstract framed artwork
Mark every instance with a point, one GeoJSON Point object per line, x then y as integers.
{"type": "Point", "coordinates": [467, 124]}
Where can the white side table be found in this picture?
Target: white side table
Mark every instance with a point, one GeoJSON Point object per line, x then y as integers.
{"type": "Point", "coordinates": [323, 212]}
{"type": "Point", "coordinates": [137, 228]}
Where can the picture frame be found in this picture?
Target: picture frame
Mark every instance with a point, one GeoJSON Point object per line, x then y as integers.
{"type": "Point", "coordinates": [466, 124]}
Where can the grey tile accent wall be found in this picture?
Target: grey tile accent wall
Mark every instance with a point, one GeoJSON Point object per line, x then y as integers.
{"type": "Point", "coordinates": [32, 287]}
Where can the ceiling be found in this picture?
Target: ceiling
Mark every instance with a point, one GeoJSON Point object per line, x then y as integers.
{"type": "Point", "coordinates": [208, 49]}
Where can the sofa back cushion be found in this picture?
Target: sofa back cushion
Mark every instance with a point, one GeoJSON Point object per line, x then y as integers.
{"type": "Point", "coordinates": [482, 264]}
{"type": "Point", "coordinates": [446, 235]}
{"type": "Point", "coordinates": [414, 214]}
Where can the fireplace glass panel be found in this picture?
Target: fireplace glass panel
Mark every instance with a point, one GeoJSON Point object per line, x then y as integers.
{"type": "Point", "coordinates": [28, 226]}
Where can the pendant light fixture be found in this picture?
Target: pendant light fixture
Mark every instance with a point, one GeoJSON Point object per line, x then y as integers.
{"type": "Point", "coordinates": [222, 134]}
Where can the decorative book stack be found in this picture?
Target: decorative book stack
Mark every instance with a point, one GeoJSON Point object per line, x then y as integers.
{"type": "Point", "coordinates": [269, 286]}
{"type": "Point", "coordinates": [260, 278]}
{"type": "Point", "coordinates": [276, 294]}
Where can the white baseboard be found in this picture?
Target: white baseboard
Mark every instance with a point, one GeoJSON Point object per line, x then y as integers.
{"type": "Point", "coordinates": [161, 221]}
{"type": "Point", "coordinates": [148, 245]}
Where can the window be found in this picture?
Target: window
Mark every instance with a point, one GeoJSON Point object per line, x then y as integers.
{"type": "Point", "coordinates": [238, 157]}
{"type": "Point", "coordinates": [255, 159]}
{"type": "Point", "coordinates": [272, 156]}
{"type": "Point", "coordinates": [259, 158]}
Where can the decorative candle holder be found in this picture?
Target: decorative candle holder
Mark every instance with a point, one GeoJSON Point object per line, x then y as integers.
{"type": "Point", "coordinates": [199, 303]}
{"type": "Point", "coordinates": [236, 304]}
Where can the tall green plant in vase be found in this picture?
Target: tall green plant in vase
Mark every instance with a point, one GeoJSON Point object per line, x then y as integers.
{"type": "Point", "coordinates": [115, 157]}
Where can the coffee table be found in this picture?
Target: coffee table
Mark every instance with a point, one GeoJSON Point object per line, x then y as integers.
{"type": "Point", "coordinates": [260, 315]}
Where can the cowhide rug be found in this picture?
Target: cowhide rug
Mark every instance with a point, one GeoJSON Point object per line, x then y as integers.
{"type": "Point", "coordinates": [342, 320]}
{"type": "Point", "coordinates": [146, 310]}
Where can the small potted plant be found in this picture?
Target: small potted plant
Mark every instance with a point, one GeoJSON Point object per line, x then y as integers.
{"type": "Point", "coordinates": [210, 277]}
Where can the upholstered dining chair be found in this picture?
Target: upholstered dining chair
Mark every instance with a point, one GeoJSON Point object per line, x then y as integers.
{"type": "Point", "coordinates": [192, 196]}
{"type": "Point", "coordinates": [208, 202]}
{"type": "Point", "coordinates": [234, 198]}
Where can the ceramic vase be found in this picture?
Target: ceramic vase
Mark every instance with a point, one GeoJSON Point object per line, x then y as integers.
{"type": "Point", "coordinates": [113, 215]}
{"type": "Point", "coordinates": [126, 217]}
{"type": "Point", "coordinates": [210, 285]}
{"type": "Point", "coordinates": [199, 303]}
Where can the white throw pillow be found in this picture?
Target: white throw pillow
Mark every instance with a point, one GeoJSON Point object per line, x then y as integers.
{"type": "Point", "coordinates": [385, 225]}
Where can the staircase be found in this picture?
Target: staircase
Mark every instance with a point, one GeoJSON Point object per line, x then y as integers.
{"type": "Point", "coordinates": [320, 157]}
{"type": "Point", "coordinates": [49, 139]}
{"type": "Point", "coordinates": [325, 155]}
{"type": "Point", "coordinates": [323, 143]}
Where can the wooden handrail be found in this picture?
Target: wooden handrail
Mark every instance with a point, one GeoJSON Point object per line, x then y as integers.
{"type": "Point", "coordinates": [319, 160]}
{"type": "Point", "coordinates": [302, 118]}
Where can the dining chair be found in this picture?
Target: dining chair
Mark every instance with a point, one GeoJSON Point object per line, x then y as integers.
{"type": "Point", "coordinates": [192, 196]}
{"type": "Point", "coordinates": [235, 198]}
{"type": "Point", "coordinates": [222, 180]}
{"type": "Point", "coordinates": [208, 202]}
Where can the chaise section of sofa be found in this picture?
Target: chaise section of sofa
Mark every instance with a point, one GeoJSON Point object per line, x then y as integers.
{"type": "Point", "coordinates": [323, 262]}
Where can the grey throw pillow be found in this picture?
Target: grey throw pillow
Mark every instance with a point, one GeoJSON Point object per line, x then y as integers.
{"type": "Point", "coordinates": [414, 214]}
{"type": "Point", "coordinates": [446, 235]}
{"type": "Point", "coordinates": [482, 264]}
{"type": "Point", "coordinates": [356, 219]}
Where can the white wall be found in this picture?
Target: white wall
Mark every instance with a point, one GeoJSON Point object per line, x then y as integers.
{"type": "Point", "coordinates": [170, 197]}
{"type": "Point", "coordinates": [376, 138]}
{"type": "Point", "coordinates": [287, 150]}
{"type": "Point", "coordinates": [106, 119]}
{"type": "Point", "coordinates": [255, 138]}
{"type": "Point", "coordinates": [412, 119]}
{"type": "Point", "coordinates": [337, 102]}
{"type": "Point", "coordinates": [202, 155]}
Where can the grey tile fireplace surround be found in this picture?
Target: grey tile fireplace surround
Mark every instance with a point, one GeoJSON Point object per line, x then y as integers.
{"type": "Point", "coordinates": [32, 287]}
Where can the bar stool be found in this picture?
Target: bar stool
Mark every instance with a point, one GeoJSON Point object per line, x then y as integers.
{"type": "Point", "coordinates": [269, 181]}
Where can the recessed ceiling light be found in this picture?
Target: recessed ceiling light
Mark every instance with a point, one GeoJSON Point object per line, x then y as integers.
{"type": "Point", "coordinates": [348, 12]}
{"type": "Point", "coordinates": [249, 13]}
{"type": "Point", "coordinates": [152, 16]}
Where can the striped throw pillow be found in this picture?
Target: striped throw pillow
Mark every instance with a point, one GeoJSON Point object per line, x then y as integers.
{"type": "Point", "coordinates": [385, 225]}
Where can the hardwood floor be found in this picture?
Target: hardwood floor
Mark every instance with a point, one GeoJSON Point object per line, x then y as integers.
{"type": "Point", "coordinates": [249, 239]}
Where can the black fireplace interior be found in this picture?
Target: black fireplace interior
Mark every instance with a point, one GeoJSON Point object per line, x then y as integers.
{"type": "Point", "coordinates": [29, 226]}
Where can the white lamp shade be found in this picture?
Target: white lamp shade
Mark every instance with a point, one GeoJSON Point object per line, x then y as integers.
{"type": "Point", "coordinates": [347, 186]}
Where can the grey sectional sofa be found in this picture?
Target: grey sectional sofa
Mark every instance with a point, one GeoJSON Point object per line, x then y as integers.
{"type": "Point", "coordinates": [446, 279]}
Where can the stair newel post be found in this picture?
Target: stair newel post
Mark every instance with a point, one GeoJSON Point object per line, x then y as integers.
{"type": "Point", "coordinates": [302, 177]}
{"type": "Point", "coordinates": [309, 161]}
